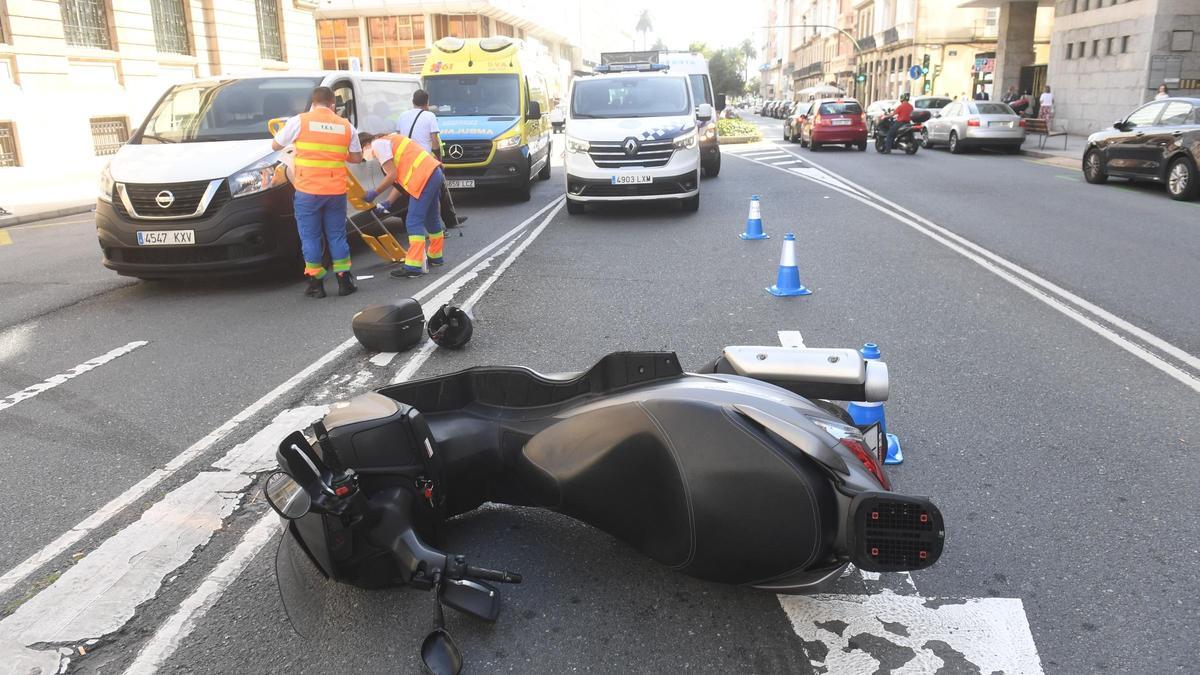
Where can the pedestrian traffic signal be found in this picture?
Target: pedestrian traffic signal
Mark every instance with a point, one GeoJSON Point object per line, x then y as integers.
{"type": "Point", "coordinates": [862, 77]}
{"type": "Point", "coordinates": [925, 65]}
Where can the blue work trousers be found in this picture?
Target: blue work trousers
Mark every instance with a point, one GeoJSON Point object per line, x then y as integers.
{"type": "Point", "coordinates": [321, 218]}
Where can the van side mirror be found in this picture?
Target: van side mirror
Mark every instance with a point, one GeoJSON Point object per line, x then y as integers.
{"type": "Point", "coordinates": [534, 112]}
{"type": "Point", "coordinates": [704, 112]}
{"type": "Point", "coordinates": [720, 102]}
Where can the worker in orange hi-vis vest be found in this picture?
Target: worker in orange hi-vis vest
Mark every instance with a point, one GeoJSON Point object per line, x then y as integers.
{"type": "Point", "coordinates": [324, 143]}
{"type": "Point", "coordinates": [415, 170]}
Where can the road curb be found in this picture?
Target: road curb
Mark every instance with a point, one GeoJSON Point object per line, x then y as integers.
{"type": "Point", "coordinates": [9, 221]}
{"type": "Point", "coordinates": [733, 140]}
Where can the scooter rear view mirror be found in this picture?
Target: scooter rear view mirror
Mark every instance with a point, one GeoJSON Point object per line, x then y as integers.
{"type": "Point", "coordinates": [286, 496]}
{"type": "Point", "coordinates": [439, 654]}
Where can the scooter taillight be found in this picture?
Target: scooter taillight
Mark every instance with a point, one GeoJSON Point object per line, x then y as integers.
{"type": "Point", "coordinates": [869, 461]}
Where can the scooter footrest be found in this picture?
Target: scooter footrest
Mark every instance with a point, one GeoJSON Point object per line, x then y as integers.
{"type": "Point", "coordinates": [894, 533]}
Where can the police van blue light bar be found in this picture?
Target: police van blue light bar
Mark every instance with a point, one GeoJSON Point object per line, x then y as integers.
{"type": "Point", "coordinates": [630, 67]}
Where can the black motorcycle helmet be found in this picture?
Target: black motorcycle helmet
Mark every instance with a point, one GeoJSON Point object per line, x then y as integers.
{"type": "Point", "coordinates": [450, 327]}
{"type": "Point", "coordinates": [903, 97]}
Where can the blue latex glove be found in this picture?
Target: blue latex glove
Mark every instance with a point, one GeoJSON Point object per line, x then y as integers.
{"type": "Point", "coordinates": [370, 195]}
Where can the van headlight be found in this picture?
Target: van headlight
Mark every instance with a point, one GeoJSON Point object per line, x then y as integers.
{"type": "Point", "coordinates": [106, 184]}
{"type": "Point", "coordinates": [577, 144]}
{"type": "Point", "coordinates": [686, 141]}
{"type": "Point", "coordinates": [255, 178]}
{"type": "Point", "coordinates": [510, 142]}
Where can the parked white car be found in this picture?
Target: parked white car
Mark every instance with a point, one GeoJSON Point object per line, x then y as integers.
{"type": "Point", "coordinates": [969, 124]}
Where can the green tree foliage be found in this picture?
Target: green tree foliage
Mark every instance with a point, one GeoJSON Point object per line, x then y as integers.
{"type": "Point", "coordinates": [660, 46]}
{"type": "Point", "coordinates": [725, 69]}
{"type": "Point", "coordinates": [644, 25]}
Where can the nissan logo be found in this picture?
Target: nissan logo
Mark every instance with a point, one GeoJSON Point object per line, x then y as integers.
{"type": "Point", "coordinates": [630, 146]}
{"type": "Point", "coordinates": [164, 199]}
{"type": "Point", "coordinates": [455, 151]}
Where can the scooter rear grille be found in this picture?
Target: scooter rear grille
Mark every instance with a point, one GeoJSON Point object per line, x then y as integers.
{"type": "Point", "coordinates": [894, 533]}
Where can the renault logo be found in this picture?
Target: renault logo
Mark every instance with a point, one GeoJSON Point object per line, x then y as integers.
{"type": "Point", "coordinates": [630, 146]}
{"type": "Point", "coordinates": [455, 151]}
{"type": "Point", "coordinates": [164, 199]}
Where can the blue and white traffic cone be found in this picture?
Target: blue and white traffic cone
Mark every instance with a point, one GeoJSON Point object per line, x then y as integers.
{"type": "Point", "coordinates": [754, 222]}
{"type": "Point", "coordinates": [869, 412]}
{"type": "Point", "coordinates": [788, 281]}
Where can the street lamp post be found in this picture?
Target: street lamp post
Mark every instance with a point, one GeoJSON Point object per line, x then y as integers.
{"type": "Point", "coordinates": [857, 47]}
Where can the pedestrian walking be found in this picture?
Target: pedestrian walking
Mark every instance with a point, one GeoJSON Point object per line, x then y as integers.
{"type": "Point", "coordinates": [420, 124]}
{"type": "Point", "coordinates": [1046, 106]}
{"type": "Point", "coordinates": [418, 173]}
{"type": "Point", "coordinates": [324, 142]}
{"type": "Point", "coordinates": [1163, 92]}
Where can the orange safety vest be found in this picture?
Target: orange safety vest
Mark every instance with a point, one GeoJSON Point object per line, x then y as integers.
{"type": "Point", "coordinates": [414, 164]}
{"type": "Point", "coordinates": [321, 150]}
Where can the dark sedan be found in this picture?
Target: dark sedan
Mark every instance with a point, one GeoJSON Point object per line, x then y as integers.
{"type": "Point", "coordinates": [1159, 142]}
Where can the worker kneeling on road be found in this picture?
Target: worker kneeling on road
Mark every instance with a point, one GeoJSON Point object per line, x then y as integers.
{"type": "Point", "coordinates": [324, 143]}
{"type": "Point", "coordinates": [413, 169]}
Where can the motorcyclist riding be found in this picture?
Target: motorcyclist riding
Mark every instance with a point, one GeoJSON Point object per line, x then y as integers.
{"type": "Point", "coordinates": [901, 115]}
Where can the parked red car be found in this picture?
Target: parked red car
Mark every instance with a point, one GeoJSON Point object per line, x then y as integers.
{"type": "Point", "coordinates": [828, 121]}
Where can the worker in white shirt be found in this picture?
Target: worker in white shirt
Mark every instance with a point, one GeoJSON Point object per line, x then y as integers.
{"type": "Point", "coordinates": [421, 125]}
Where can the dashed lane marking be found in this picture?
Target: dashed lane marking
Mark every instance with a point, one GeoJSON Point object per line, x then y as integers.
{"type": "Point", "coordinates": [97, 519]}
{"type": "Point", "coordinates": [56, 380]}
{"type": "Point", "coordinates": [1083, 312]}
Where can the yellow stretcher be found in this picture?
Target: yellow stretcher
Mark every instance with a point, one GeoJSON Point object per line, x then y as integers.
{"type": "Point", "coordinates": [385, 245]}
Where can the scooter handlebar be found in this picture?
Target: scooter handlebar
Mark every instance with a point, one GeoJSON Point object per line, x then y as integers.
{"type": "Point", "coordinates": [493, 575]}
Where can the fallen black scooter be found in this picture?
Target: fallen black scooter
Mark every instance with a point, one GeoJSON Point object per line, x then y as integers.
{"type": "Point", "coordinates": [662, 459]}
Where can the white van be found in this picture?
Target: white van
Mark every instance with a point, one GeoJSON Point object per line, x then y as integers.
{"type": "Point", "coordinates": [197, 190]}
{"type": "Point", "coordinates": [631, 136]}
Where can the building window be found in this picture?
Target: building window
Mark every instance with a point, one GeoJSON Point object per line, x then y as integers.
{"type": "Point", "coordinates": [485, 27]}
{"type": "Point", "coordinates": [8, 145]}
{"type": "Point", "coordinates": [1082, 47]}
{"type": "Point", "coordinates": [109, 134]}
{"type": "Point", "coordinates": [1095, 48]}
{"type": "Point", "coordinates": [170, 27]}
{"type": "Point", "coordinates": [456, 25]}
{"type": "Point", "coordinates": [85, 23]}
{"type": "Point", "coordinates": [338, 40]}
{"type": "Point", "coordinates": [1070, 50]}
{"type": "Point", "coordinates": [1124, 44]}
{"type": "Point", "coordinates": [270, 42]}
{"type": "Point", "coordinates": [5, 32]}
{"type": "Point", "coordinates": [505, 29]}
{"type": "Point", "coordinates": [1085, 5]}
{"type": "Point", "coordinates": [391, 38]}
{"type": "Point", "coordinates": [1108, 48]}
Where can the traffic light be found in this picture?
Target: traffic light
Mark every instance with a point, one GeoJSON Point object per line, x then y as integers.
{"type": "Point", "coordinates": [862, 77]}
{"type": "Point", "coordinates": [925, 65]}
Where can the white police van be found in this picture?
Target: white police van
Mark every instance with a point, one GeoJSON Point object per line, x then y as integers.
{"type": "Point", "coordinates": [631, 135]}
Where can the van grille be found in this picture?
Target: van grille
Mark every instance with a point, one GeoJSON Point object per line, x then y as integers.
{"type": "Point", "coordinates": [143, 198]}
{"type": "Point", "coordinates": [612, 155]}
{"type": "Point", "coordinates": [473, 152]}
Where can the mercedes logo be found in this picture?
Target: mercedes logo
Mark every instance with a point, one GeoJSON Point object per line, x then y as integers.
{"type": "Point", "coordinates": [630, 146]}
{"type": "Point", "coordinates": [455, 151]}
{"type": "Point", "coordinates": [164, 199]}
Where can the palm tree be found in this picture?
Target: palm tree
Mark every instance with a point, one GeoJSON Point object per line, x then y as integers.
{"type": "Point", "coordinates": [644, 26]}
{"type": "Point", "coordinates": [747, 50]}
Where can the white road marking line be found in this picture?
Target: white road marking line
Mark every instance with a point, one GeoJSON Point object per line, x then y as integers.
{"type": "Point", "coordinates": [364, 277]}
{"type": "Point", "coordinates": [99, 594]}
{"type": "Point", "coordinates": [1050, 294]}
{"type": "Point", "coordinates": [788, 163]}
{"type": "Point", "coordinates": [171, 634]}
{"type": "Point", "coordinates": [779, 155]}
{"type": "Point", "coordinates": [791, 338]}
{"type": "Point", "coordinates": [167, 638]}
{"type": "Point", "coordinates": [61, 378]}
{"type": "Point", "coordinates": [64, 541]}
{"type": "Point", "coordinates": [382, 359]}
{"type": "Point", "coordinates": [909, 634]}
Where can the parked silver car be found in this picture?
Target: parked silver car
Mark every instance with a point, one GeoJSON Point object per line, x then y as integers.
{"type": "Point", "coordinates": [966, 124]}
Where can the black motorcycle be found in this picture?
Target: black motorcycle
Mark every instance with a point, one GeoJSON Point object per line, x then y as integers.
{"type": "Point", "coordinates": [906, 134]}
{"type": "Point", "coordinates": [742, 472]}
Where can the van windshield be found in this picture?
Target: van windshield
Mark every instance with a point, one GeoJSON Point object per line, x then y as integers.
{"type": "Point", "coordinates": [231, 110]}
{"type": "Point", "coordinates": [474, 95]}
{"type": "Point", "coordinates": [620, 97]}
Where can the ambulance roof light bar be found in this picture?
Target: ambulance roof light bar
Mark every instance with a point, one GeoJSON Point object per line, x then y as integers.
{"type": "Point", "coordinates": [641, 67]}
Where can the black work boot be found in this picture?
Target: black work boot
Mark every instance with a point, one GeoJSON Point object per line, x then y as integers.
{"type": "Point", "coordinates": [316, 288]}
{"type": "Point", "coordinates": [346, 283]}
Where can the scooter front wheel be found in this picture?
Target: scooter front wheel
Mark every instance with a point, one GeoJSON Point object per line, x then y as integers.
{"type": "Point", "coordinates": [911, 147]}
{"type": "Point", "coordinates": [878, 143]}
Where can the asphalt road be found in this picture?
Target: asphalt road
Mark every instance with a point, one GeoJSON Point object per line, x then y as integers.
{"type": "Point", "coordinates": [1062, 456]}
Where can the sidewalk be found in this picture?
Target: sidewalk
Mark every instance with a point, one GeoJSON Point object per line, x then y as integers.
{"type": "Point", "coordinates": [38, 193]}
{"type": "Point", "coordinates": [1071, 157]}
